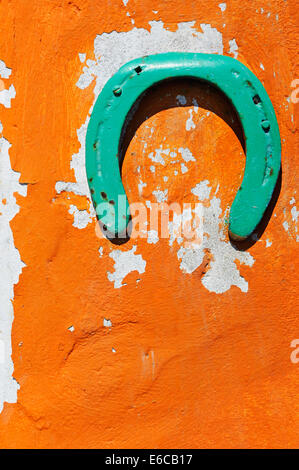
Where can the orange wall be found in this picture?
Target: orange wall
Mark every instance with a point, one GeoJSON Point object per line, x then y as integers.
{"type": "Point", "coordinates": [186, 362]}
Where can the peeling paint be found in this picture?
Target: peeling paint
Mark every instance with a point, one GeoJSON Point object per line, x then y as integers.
{"type": "Point", "coordinates": [107, 323]}
{"type": "Point", "coordinates": [5, 72]}
{"type": "Point", "coordinates": [290, 223]}
{"type": "Point", "coordinates": [157, 156]}
{"type": "Point", "coordinates": [81, 217]}
{"type": "Point", "coordinates": [10, 261]}
{"type": "Point", "coordinates": [125, 262]}
{"type": "Point", "coordinates": [181, 99]}
{"type": "Point", "coordinates": [222, 272]}
{"type": "Point", "coordinates": [152, 237]}
{"type": "Point", "coordinates": [233, 48]}
{"type": "Point", "coordinates": [161, 196]}
{"type": "Point", "coordinates": [202, 190]}
{"type": "Point", "coordinates": [80, 187]}
{"type": "Point", "coordinates": [189, 123]}
{"type": "Point", "coordinates": [141, 185]}
{"type": "Point", "coordinates": [112, 50]}
{"type": "Point", "coordinates": [184, 169]}
{"type": "Point", "coordinates": [7, 95]}
{"type": "Point", "coordinates": [295, 214]}
{"type": "Point", "coordinates": [186, 155]}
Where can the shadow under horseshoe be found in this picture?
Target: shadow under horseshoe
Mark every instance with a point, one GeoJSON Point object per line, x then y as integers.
{"type": "Point", "coordinates": [164, 96]}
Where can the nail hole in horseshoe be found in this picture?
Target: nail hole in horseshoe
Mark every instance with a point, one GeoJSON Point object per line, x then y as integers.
{"type": "Point", "coordinates": [266, 126]}
{"type": "Point", "coordinates": [117, 91]}
{"type": "Point", "coordinates": [256, 99]}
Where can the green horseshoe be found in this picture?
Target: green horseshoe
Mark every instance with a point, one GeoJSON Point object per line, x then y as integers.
{"type": "Point", "coordinates": [245, 92]}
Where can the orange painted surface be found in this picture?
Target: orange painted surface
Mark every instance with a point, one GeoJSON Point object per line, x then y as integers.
{"type": "Point", "coordinates": [191, 368]}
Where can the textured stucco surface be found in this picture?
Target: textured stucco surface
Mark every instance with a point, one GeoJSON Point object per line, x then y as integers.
{"type": "Point", "coordinates": [154, 343]}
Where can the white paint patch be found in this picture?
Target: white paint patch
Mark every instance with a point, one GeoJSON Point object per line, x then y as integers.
{"type": "Point", "coordinates": [233, 48]}
{"type": "Point", "coordinates": [291, 224]}
{"type": "Point", "coordinates": [268, 243]}
{"type": "Point", "coordinates": [80, 187]}
{"type": "Point", "coordinates": [189, 123]}
{"type": "Point", "coordinates": [223, 272]}
{"type": "Point", "coordinates": [128, 14]}
{"type": "Point", "coordinates": [82, 57]}
{"type": "Point", "coordinates": [10, 261]}
{"type": "Point", "coordinates": [295, 214]}
{"type": "Point", "coordinates": [202, 190]}
{"type": "Point", "coordinates": [161, 196]}
{"type": "Point", "coordinates": [112, 50]}
{"type": "Point", "coordinates": [7, 95]}
{"type": "Point", "coordinates": [107, 323]}
{"type": "Point", "coordinates": [186, 155]}
{"type": "Point", "coordinates": [141, 185]}
{"type": "Point", "coordinates": [195, 104]}
{"type": "Point", "coordinates": [5, 72]}
{"type": "Point", "coordinates": [184, 169]}
{"type": "Point", "coordinates": [179, 220]}
{"type": "Point", "coordinates": [181, 99]}
{"type": "Point", "coordinates": [81, 217]}
{"type": "Point", "coordinates": [222, 6]}
{"type": "Point", "coordinates": [157, 156]}
{"type": "Point", "coordinates": [262, 66]}
{"type": "Point", "coordinates": [125, 262]}
{"type": "Point", "coordinates": [152, 237]}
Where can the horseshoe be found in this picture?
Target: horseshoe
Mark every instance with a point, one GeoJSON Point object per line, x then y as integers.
{"type": "Point", "coordinates": [245, 92]}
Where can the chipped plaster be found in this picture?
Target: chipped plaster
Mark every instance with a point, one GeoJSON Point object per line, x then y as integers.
{"type": "Point", "coordinates": [125, 262]}
{"type": "Point", "coordinates": [10, 261]}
